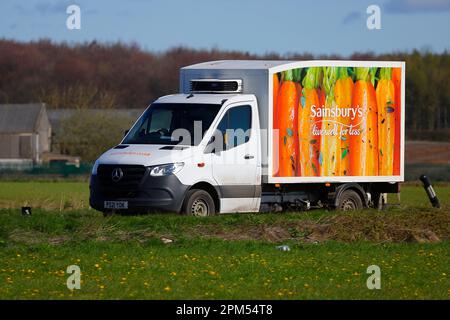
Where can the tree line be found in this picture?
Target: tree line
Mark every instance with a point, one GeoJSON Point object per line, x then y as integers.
{"type": "Point", "coordinates": [117, 75]}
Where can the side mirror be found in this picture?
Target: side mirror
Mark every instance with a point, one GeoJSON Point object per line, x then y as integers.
{"type": "Point", "coordinates": [215, 145]}
{"type": "Point", "coordinates": [126, 132]}
{"type": "Point", "coordinates": [211, 146]}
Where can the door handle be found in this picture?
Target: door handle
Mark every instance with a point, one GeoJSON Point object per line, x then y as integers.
{"type": "Point", "coordinates": [247, 156]}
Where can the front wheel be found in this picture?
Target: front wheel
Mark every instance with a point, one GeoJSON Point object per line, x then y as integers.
{"type": "Point", "coordinates": [199, 203]}
{"type": "Point", "coordinates": [349, 201]}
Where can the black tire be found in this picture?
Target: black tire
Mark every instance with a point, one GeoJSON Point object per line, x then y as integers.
{"type": "Point", "coordinates": [198, 203]}
{"type": "Point", "coordinates": [349, 201]}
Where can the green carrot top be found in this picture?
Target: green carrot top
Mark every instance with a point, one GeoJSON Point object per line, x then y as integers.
{"type": "Point", "coordinates": [365, 74]}
{"type": "Point", "coordinates": [329, 79]}
{"type": "Point", "coordinates": [362, 74]}
{"type": "Point", "coordinates": [288, 75]}
{"type": "Point", "coordinates": [312, 77]}
{"type": "Point", "coordinates": [386, 73]}
{"type": "Point", "coordinates": [297, 74]}
{"type": "Point", "coordinates": [343, 73]}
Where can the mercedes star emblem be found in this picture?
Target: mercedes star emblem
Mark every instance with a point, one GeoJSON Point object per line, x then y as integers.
{"type": "Point", "coordinates": [116, 174]}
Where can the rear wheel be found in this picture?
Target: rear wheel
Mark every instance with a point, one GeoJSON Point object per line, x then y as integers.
{"type": "Point", "coordinates": [350, 201]}
{"type": "Point", "coordinates": [199, 203]}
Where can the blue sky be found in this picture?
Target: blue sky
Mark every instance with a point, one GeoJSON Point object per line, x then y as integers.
{"type": "Point", "coordinates": [257, 26]}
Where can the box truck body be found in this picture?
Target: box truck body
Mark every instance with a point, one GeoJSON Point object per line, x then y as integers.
{"type": "Point", "coordinates": [246, 136]}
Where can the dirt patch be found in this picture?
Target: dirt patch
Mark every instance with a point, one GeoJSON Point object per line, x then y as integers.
{"type": "Point", "coordinates": [370, 226]}
{"type": "Point", "coordinates": [32, 237]}
{"type": "Point", "coordinates": [27, 236]}
{"type": "Point", "coordinates": [377, 228]}
{"type": "Point", "coordinates": [431, 152]}
{"type": "Point", "coordinates": [100, 233]}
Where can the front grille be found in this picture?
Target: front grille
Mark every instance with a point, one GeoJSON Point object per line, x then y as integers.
{"type": "Point", "coordinates": [126, 186]}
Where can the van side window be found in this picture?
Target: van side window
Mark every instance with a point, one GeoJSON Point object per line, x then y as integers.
{"type": "Point", "coordinates": [235, 126]}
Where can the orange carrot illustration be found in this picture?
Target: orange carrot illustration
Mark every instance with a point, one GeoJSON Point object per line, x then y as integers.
{"type": "Point", "coordinates": [309, 144]}
{"type": "Point", "coordinates": [364, 133]}
{"type": "Point", "coordinates": [297, 73]}
{"type": "Point", "coordinates": [385, 93]}
{"type": "Point", "coordinates": [397, 79]}
{"type": "Point", "coordinates": [330, 146]}
{"type": "Point", "coordinates": [288, 136]}
{"type": "Point", "coordinates": [276, 125]}
{"type": "Point", "coordinates": [343, 91]}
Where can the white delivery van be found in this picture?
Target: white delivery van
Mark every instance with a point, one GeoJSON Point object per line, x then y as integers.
{"type": "Point", "coordinates": [251, 136]}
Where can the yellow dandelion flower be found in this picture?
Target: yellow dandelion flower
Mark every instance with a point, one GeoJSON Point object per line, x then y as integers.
{"type": "Point", "coordinates": [167, 289]}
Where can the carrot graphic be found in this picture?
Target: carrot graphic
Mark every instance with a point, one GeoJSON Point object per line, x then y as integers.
{"type": "Point", "coordinates": [276, 125]}
{"type": "Point", "coordinates": [321, 90]}
{"type": "Point", "coordinates": [386, 122]}
{"type": "Point", "coordinates": [309, 144]}
{"type": "Point", "coordinates": [288, 141]}
{"type": "Point", "coordinates": [276, 88]}
{"type": "Point", "coordinates": [397, 79]}
{"type": "Point", "coordinates": [364, 136]}
{"type": "Point", "coordinates": [330, 155]}
{"type": "Point", "coordinates": [321, 94]}
{"type": "Point", "coordinates": [297, 77]}
{"type": "Point", "coordinates": [343, 91]}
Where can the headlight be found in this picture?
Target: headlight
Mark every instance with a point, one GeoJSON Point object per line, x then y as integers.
{"type": "Point", "coordinates": [94, 168]}
{"type": "Point", "coordinates": [166, 169]}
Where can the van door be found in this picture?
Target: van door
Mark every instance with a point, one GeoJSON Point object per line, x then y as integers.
{"type": "Point", "coordinates": [235, 164]}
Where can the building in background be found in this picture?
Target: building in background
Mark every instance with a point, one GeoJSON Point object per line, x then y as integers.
{"type": "Point", "coordinates": [25, 133]}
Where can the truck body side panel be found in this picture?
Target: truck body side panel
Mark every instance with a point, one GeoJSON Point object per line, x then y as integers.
{"type": "Point", "coordinates": [348, 125]}
{"type": "Point", "coordinates": [341, 152]}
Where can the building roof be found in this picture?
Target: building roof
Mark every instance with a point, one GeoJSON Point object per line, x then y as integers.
{"type": "Point", "coordinates": [19, 118]}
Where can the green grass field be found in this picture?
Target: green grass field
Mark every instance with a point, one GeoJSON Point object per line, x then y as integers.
{"type": "Point", "coordinates": [222, 257]}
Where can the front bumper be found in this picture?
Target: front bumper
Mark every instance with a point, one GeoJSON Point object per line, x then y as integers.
{"type": "Point", "coordinates": [152, 194]}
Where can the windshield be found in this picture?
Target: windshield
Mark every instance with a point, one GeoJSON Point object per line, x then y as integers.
{"type": "Point", "coordinates": [173, 123]}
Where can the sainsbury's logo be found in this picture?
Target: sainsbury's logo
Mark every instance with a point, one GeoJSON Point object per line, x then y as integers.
{"type": "Point", "coordinates": [335, 121]}
{"type": "Point", "coordinates": [336, 112]}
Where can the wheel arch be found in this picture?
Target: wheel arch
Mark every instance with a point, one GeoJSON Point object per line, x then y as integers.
{"type": "Point", "coordinates": [350, 186]}
{"type": "Point", "coordinates": [213, 192]}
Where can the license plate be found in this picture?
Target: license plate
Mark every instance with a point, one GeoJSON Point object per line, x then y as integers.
{"type": "Point", "coordinates": [116, 204]}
